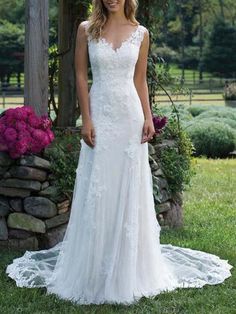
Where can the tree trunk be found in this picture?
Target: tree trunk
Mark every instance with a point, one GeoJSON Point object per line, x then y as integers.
{"type": "Point", "coordinates": [36, 55]}
{"type": "Point", "coordinates": [70, 15]}
{"type": "Point", "coordinates": [200, 42]}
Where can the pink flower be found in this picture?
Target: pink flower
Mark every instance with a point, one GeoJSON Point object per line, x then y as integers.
{"type": "Point", "coordinates": [20, 114]}
{"type": "Point", "coordinates": [9, 112]}
{"type": "Point", "coordinates": [20, 125]}
{"type": "Point", "coordinates": [10, 134]}
{"type": "Point", "coordinates": [21, 146]}
{"type": "Point", "coordinates": [40, 136]}
{"type": "Point", "coordinates": [159, 123]}
{"type": "Point", "coordinates": [10, 120]}
{"type": "Point", "coordinates": [35, 146]}
{"type": "Point", "coordinates": [2, 126]}
{"type": "Point", "coordinates": [50, 135]}
{"type": "Point", "coordinates": [22, 131]}
{"type": "Point", "coordinates": [28, 109]}
{"type": "Point", "coordinates": [46, 122]}
{"type": "Point", "coordinates": [34, 121]}
{"type": "Point", "coordinates": [24, 134]}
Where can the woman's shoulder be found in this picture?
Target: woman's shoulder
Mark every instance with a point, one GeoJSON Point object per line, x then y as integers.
{"type": "Point", "coordinates": [143, 28]}
{"type": "Point", "coordinates": [84, 25]}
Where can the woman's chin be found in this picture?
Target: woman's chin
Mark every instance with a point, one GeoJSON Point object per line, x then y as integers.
{"type": "Point", "coordinates": [113, 10]}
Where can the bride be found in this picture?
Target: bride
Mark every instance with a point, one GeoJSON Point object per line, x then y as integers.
{"type": "Point", "coordinates": [111, 252]}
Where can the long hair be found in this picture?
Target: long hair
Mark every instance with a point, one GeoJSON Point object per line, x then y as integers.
{"type": "Point", "coordinates": [99, 15]}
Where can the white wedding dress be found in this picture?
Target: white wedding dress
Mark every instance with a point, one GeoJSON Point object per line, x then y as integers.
{"type": "Point", "coordinates": [111, 252]}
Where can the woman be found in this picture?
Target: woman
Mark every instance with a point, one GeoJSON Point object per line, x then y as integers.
{"type": "Point", "coordinates": [111, 251]}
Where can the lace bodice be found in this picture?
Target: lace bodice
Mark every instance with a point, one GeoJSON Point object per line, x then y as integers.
{"type": "Point", "coordinates": [109, 64]}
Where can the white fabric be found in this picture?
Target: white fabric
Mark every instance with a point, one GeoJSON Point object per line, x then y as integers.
{"type": "Point", "coordinates": [111, 252]}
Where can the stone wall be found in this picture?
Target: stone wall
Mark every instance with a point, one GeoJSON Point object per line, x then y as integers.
{"type": "Point", "coordinates": [33, 215]}
{"type": "Point", "coordinates": [169, 206]}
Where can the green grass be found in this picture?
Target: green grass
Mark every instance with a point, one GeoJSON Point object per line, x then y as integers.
{"type": "Point", "coordinates": [176, 71]}
{"type": "Point", "coordinates": [209, 225]}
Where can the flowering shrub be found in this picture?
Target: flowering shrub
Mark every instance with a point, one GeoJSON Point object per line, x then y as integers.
{"type": "Point", "coordinates": [159, 123]}
{"type": "Point", "coordinates": [23, 132]}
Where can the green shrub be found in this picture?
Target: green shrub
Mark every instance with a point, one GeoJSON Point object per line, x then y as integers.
{"type": "Point", "coordinates": [165, 52]}
{"type": "Point", "coordinates": [177, 164]}
{"type": "Point", "coordinates": [195, 110]}
{"type": "Point", "coordinates": [64, 155]}
{"type": "Point", "coordinates": [191, 57]}
{"type": "Point", "coordinates": [212, 139]}
{"type": "Point", "coordinates": [228, 113]}
{"type": "Point", "coordinates": [167, 111]}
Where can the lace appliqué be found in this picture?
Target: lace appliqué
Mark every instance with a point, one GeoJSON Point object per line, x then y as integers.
{"type": "Point", "coordinates": [96, 190]}
{"type": "Point", "coordinates": [135, 38]}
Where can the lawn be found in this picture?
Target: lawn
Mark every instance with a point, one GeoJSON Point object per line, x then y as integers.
{"type": "Point", "coordinates": [209, 225]}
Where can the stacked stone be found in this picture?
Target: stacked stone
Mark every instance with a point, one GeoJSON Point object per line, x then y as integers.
{"type": "Point", "coordinates": [168, 205]}
{"type": "Point", "coordinates": [33, 214]}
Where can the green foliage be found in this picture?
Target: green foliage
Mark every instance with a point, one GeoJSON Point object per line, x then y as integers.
{"type": "Point", "coordinates": [13, 11]}
{"type": "Point", "coordinates": [195, 110]}
{"type": "Point", "coordinates": [64, 155]}
{"type": "Point", "coordinates": [166, 53]}
{"type": "Point", "coordinates": [219, 55]}
{"type": "Point", "coordinates": [222, 112]}
{"type": "Point", "coordinates": [212, 139]}
{"type": "Point", "coordinates": [191, 58]}
{"type": "Point", "coordinates": [176, 161]}
{"type": "Point", "coordinates": [12, 41]}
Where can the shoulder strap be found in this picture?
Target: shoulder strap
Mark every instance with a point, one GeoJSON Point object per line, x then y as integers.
{"type": "Point", "coordinates": [138, 36]}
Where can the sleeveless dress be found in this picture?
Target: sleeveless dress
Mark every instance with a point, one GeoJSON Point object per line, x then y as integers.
{"type": "Point", "coordinates": [111, 252]}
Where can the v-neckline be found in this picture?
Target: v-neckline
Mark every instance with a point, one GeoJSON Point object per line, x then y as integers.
{"type": "Point", "coordinates": [104, 40]}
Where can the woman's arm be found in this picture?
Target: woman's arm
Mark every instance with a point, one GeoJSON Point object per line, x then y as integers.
{"type": "Point", "coordinates": [140, 81]}
{"type": "Point", "coordinates": [81, 72]}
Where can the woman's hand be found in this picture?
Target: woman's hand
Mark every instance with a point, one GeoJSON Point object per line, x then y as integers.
{"type": "Point", "coordinates": [88, 133]}
{"type": "Point", "coordinates": [148, 130]}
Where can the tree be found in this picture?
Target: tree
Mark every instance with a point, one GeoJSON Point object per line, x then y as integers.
{"type": "Point", "coordinates": [12, 42]}
{"type": "Point", "coordinates": [36, 55]}
{"type": "Point", "coordinates": [71, 13]}
{"type": "Point", "coordinates": [219, 54]}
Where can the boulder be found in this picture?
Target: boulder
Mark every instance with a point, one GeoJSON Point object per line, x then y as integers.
{"type": "Point", "coordinates": [3, 170]}
{"type": "Point", "coordinates": [26, 222]}
{"type": "Point", "coordinates": [14, 192]}
{"type": "Point", "coordinates": [35, 161]}
{"type": "Point", "coordinates": [164, 196]}
{"type": "Point", "coordinates": [164, 207]}
{"type": "Point", "coordinates": [30, 244]}
{"type": "Point", "coordinates": [23, 184]}
{"type": "Point", "coordinates": [51, 192]}
{"type": "Point", "coordinates": [45, 185]}
{"type": "Point", "coordinates": [174, 216]}
{"type": "Point", "coordinates": [57, 220]}
{"type": "Point", "coordinates": [151, 149]}
{"type": "Point", "coordinates": [52, 237]}
{"type": "Point", "coordinates": [5, 159]}
{"type": "Point", "coordinates": [16, 204]}
{"type": "Point", "coordinates": [40, 207]}
{"type": "Point", "coordinates": [28, 173]}
{"type": "Point", "coordinates": [162, 183]}
{"type": "Point", "coordinates": [4, 206]}
{"type": "Point", "coordinates": [3, 229]}
{"type": "Point", "coordinates": [18, 234]}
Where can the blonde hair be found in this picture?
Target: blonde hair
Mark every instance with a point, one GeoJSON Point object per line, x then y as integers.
{"type": "Point", "coordinates": [99, 15]}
